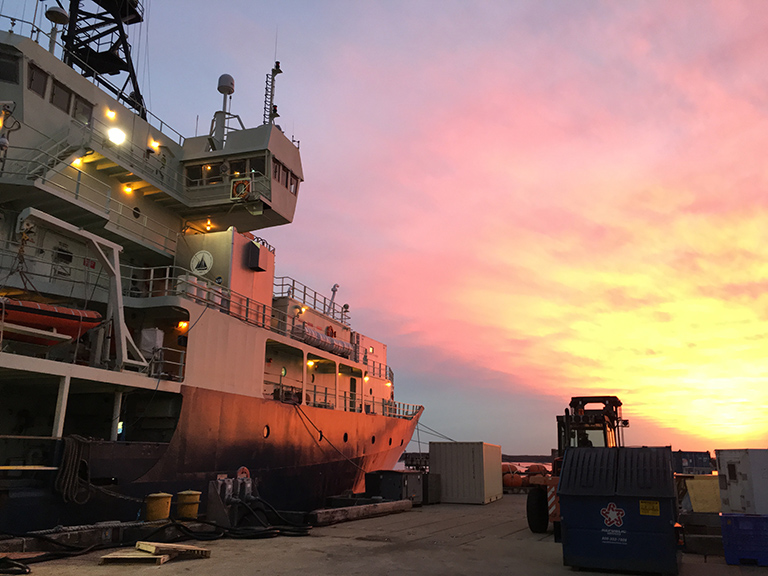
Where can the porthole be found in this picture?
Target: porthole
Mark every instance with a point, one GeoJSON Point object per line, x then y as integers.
{"type": "Point", "coordinates": [401, 442]}
{"type": "Point", "coordinates": [373, 439]}
{"type": "Point", "coordinates": [390, 441]}
{"type": "Point", "coordinates": [265, 432]}
{"type": "Point", "coordinates": [320, 435]}
{"type": "Point", "coordinates": [313, 377]}
{"type": "Point", "coordinates": [346, 437]}
{"type": "Point", "coordinates": [136, 213]}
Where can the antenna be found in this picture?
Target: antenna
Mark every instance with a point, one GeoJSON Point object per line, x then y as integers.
{"type": "Point", "coordinates": [270, 110]}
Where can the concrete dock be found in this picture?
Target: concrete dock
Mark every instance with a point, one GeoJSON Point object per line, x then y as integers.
{"type": "Point", "coordinates": [444, 539]}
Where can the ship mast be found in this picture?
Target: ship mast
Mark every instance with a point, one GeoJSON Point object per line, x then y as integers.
{"type": "Point", "coordinates": [97, 43]}
{"type": "Point", "coordinates": [270, 109]}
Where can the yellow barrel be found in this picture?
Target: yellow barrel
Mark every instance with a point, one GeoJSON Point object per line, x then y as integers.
{"type": "Point", "coordinates": [158, 506]}
{"type": "Point", "coordinates": [187, 503]}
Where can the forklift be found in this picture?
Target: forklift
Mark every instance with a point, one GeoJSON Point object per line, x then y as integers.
{"type": "Point", "coordinates": [588, 421]}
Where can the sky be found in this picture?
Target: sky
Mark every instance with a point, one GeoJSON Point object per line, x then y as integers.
{"type": "Point", "coordinates": [525, 200]}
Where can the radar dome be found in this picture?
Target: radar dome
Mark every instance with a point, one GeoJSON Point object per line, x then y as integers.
{"type": "Point", "coordinates": [226, 84]}
{"type": "Point", "coordinates": [57, 15]}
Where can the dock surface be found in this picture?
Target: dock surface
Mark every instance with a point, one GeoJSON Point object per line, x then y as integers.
{"type": "Point", "coordinates": [443, 539]}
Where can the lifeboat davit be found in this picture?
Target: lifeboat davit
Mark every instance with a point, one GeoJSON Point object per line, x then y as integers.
{"type": "Point", "coordinates": [44, 324]}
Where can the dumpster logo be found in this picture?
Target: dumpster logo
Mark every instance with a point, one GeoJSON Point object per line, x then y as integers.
{"type": "Point", "coordinates": [612, 515]}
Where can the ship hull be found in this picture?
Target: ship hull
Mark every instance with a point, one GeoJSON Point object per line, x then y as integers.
{"type": "Point", "coordinates": [218, 433]}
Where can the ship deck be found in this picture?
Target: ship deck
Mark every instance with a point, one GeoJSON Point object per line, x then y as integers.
{"type": "Point", "coordinates": [440, 539]}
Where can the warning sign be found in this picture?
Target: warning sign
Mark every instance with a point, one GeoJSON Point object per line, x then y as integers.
{"type": "Point", "coordinates": [650, 508]}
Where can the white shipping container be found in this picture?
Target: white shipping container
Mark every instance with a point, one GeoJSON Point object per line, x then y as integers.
{"type": "Point", "coordinates": [470, 472]}
{"type": "Point", "coordinates": [743, 476]}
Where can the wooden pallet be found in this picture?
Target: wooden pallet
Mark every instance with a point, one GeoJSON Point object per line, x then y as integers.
{"type": "Point", "coordinates": [174, 550]}
{"type": "Point", "coordinates": [133, 557]}
{"type": "Point", "coordinates": [154, 553]}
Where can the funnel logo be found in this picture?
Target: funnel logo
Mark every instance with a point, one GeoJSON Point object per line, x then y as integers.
{"type": "Point", "coordinates": [201, 262]}
{"type": "Point", "coordinates": [612, 515]}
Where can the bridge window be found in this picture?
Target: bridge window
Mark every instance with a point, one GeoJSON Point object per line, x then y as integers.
{"type": "Point", "coordinates": [194, 175]}
{"type": "Point", "coordinates": [237, 167]}
{"type": "Point", "coordinates": [61, 96]}
{"type": "Point", "coordinates": [257, 165]}
{"type": "Point", "coordinates": [83, 111]}
{"type": "Point", "coordinates": [38, 80]}
{"type": "Point", "coordinates": [9, 68]}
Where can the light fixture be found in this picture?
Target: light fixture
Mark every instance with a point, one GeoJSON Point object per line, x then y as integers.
{"type": "Point", "coordinates": [183, 324]}
{"type": "Point", "coordinates": [389, 383]}
{"type": "Point", "coordinates": [303, 309]}
{"type": "Point", "coordinates": [310, 363]}
{"type": "Point", "coordinates": [154, 144]}
{"type": "Point", "coordinates": [127, 189]}
{"type": "Point", "coordinates": [111, 114]}
{"type": "Point", "coordinates": [208, 225]}
{"type": "Point", "coordinates": [116, 136]}
{"type": "Point", "coordinates": [77, 162]}
{"type": "Point", "coordinates": [365, 378]}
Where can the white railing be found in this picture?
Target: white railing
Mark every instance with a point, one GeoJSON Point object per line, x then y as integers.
{"type": "Point", "coordinates": [288, 287]}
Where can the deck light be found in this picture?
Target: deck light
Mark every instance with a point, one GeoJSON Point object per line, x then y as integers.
{"type": "Point", "coordinates": [208, 225]}
{"type": "Point", "coordinates": [310, 363]}
{"type": "Point", "coordinates": [111, 114]}
{"type": "Point", "coordinates": [183, 324]}
{"type": "Point", "coordinates": [154, 145]}
{"type": "Point", "coordinates": [365, 378]}
{"type": "Point", "coordinates": [77, 162]}
{"type": "Point", "coordinates": [389, 383]}
{"type": "Point", "coordinates": [116, 136]}
{"type": "Point", "coordinates": [127, 189]}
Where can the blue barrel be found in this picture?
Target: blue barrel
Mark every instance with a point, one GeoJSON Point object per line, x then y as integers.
{"type": "Point", "coordinates": [618, 509]}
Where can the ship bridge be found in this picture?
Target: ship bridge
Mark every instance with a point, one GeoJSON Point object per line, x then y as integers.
{"type": "Point", "coordinates": [79, 153]}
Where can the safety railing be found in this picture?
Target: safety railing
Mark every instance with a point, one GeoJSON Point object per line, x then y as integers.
{"type": "Point", "coordinates": [85, 188]}
{"type": "Point", "coordinates": [380, 370]}
{"type": "Point", "coordinates": [167, 364]}
{"type": "Point", "coordinates": [288, 287]}
{"type": "Point", "coordinates": [322, 397]}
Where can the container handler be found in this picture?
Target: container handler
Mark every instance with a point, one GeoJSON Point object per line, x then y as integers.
{"type": "Point", "coordinates": [588, 421]}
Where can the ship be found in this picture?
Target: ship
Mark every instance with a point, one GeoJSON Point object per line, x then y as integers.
{"type": "Point", "coordinates": [146, 343]}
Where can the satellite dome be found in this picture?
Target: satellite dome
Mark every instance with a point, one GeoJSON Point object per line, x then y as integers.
{"type": "Point", "coordinates": [226, 84]}
{"type": "Point", "coordinates": [57, 15]}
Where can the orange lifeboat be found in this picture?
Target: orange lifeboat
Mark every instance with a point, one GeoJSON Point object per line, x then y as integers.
{"type": "Point", "coordinates": [44, 324]}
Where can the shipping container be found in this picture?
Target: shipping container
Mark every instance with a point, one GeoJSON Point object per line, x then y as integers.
{"type": "Point", "coordinates": [743, 477]}
{"type": "Point", "coordinates": [470, 472]}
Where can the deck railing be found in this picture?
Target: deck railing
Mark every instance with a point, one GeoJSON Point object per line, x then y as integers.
{"type": "Point", "coordinates": [288, 287]}
{"type": "Point", "coordinates": [33, 163]}
{"type": "Point", "coordinates": [322, 397]}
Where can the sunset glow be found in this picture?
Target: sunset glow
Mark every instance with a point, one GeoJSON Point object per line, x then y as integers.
{"type": "Point", "coordinates": [526, 201]}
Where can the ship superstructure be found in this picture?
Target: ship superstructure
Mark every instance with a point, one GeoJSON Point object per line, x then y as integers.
{"type": "Point", "coordinates": [145, 343]}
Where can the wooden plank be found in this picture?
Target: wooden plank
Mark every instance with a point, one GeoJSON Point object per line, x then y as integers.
{"type": "Point", "coordinates": [134, 557]}
{"type": "Point", "coordinates": [328, 516]}
{"type": "Point", "coordinates": [174, 550]}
